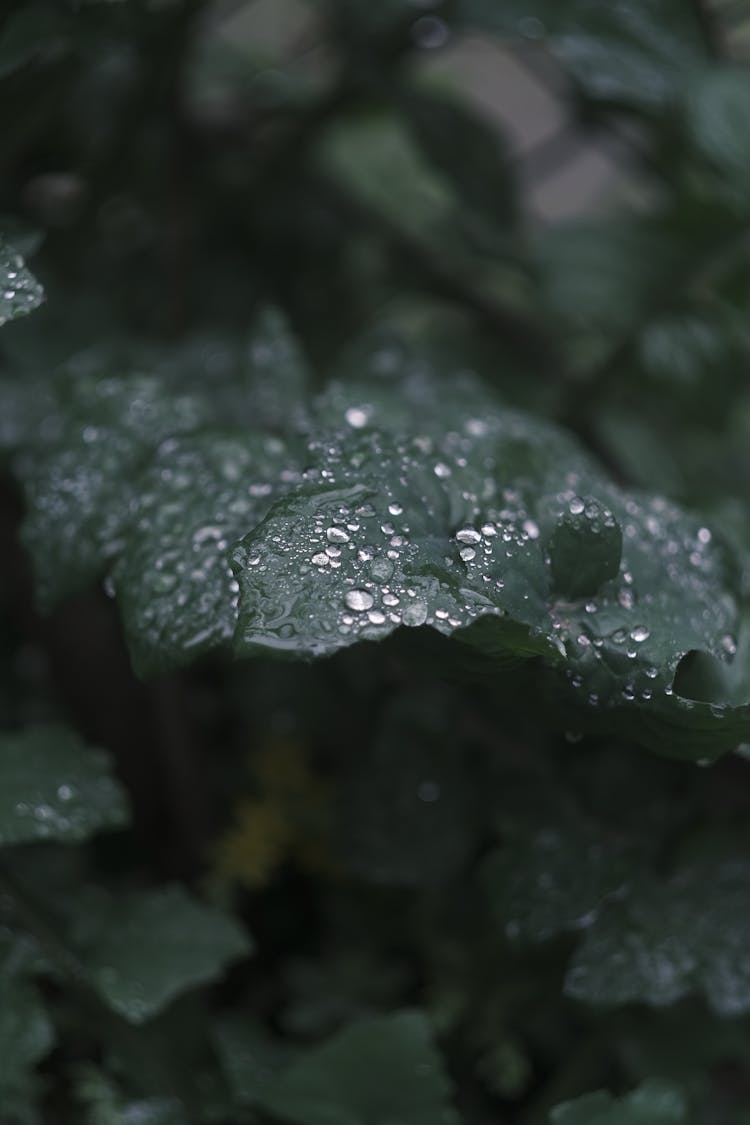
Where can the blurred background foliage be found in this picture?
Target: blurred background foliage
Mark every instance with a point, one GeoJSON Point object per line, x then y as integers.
{"type": "Point", "coordinates": [554, 195]}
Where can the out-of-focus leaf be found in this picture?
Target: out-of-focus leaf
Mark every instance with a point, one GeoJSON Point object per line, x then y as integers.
{"type": "Point", "coordinates": [143, 950]}
{"type": "Point", "coordinates": [20, 292]}
{"type": "Point", "coordinates": [605, 276]}
{"type": "Point", "coordinates": [471, 153]}
{"type": "Point", "coordinates": [552, 880]}
{"type": "Point", "coordinates": [250, 1058]}
{"type": "Point", "coordinates": [382, 1071]}
{"type": "Point", "coordinates": [653, 1103]}
{"type": "Point", "coordinates": [718, 121]}
{"type": "Point", "coordinates": [35, 28]}
{"type": "Point", "coordinates": [26, 1036]}
{"type": "Point", "coordinates": [52, 786]}
{"type": "Point", "coordinates": [642, 53]}
{"type": "Point", "coordinates": [668, 939]}
{"type": "Point", "coordinates": [376, 158]}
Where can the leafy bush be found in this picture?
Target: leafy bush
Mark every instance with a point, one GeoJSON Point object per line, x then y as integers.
{"type": "Point", "coordinates": [376, 564]}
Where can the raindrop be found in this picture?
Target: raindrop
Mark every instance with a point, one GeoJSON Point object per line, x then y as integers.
{"type": "Point", "coordinates": [640, 633]}
{"type": "Point", "coordinates": [357, 417]}
{"type": "Point", "coordinates": [468, 535]}
{"type": "Point", "coordinates": [359, 600]}
{"type": "Point", "coordinates": [337, 535]}
{"type": "Point", "coordinates": [415, 613]}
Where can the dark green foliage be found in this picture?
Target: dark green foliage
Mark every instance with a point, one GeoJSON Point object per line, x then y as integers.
{"type": "Point", "coordinates": [378, 504]}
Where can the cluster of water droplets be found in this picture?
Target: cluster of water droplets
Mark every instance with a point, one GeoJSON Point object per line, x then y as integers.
{"type": "Point", "coordinates": [20, 292]}
{"type": "Point", "coordinates": [174, 577]}
{"type": "Point", "coordinates": [67, 790]}
{"type": "Point", "coordinates": [383, 540]}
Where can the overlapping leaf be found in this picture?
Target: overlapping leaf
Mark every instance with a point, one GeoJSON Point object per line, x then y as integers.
{"type": "Point", "coordinates": [403, 500]}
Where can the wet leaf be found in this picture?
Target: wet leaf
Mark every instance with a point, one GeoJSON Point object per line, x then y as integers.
{"type": "Point", "coordinates": [173, 579]}
{"type": "Point", "coordinates": [381, 1071]}
{"type": "Point", "coordinates": [20, 292]}
{"type": "Point", "coordinates": [552, 880]}
{"type": "Point", "coordinates": [669, 939]}
{"type": "Point", "coordinates": [403, 501]}
{"type": "Point", "coordinates": [653, 1103]}
{"type": "Point", "coordinates": [79, 479]}
{"type": "Point", "coordinates": [52, 786]}
{"type": "Point", "coordinates": [718, 121]}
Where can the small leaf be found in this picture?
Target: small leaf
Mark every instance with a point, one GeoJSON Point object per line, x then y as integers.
{"type": "Point", "coordinates": [666, 940]}
{"type": "Point", "coordinates": [143, 950]}
{"type": "Point", "coordinates": [20, 292]}
{"type": "Point", "coordinates": [653, 1103]}
{"type": "Point", "coordinates": [54, 787]}
{"type": "Point", "coordinates": [380, 1071]}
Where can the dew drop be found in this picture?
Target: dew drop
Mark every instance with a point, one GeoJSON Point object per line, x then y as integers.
{"type": "Point", "coordinates": [337, 535]}
{"type": "Point", "coordinates": [357, 417]}
{"type": "Point", "coordinates": [359, 600]}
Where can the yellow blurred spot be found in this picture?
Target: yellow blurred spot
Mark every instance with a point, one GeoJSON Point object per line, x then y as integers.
{"type": "Point", "coordinates": [290, 819]}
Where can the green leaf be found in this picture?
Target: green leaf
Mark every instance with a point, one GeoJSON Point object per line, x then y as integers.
{"type": "Point", "coordinates": [250, 1058]}
{"type": "Point", "coordinates": [52, 786]}
{"type": "Point", "coordinates": [173, 579]}
{"type": "Point", "coordinates": [470, 153]}
{"type": "Point", "coordinates": [653, 1103]}
{"type": "Point", "coordinates": [404, 500]}
{"type": "Point", "coordinates": [20, 292]}
{"type": "Point", "coordinates": [26, 1036]}
{"type": "Point", "coordinates": [381, 1071]}
{"type": "Point", "coordinates": [718, 122]}
{"type": "Point", "coordinates": [599, 276]}
{"type": "Point", "coordinates": [553, 879]}
{"type": "Point", "coordinates": [79, 485]}
{"type": "Point", "coordinates": [144, 949]}
{"type": "Point", "coordinates": [585, 548]}
{"type": "Point", "coordinates": [668, 939]}
{"type": "Point", "coordinates": [375, 157]}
